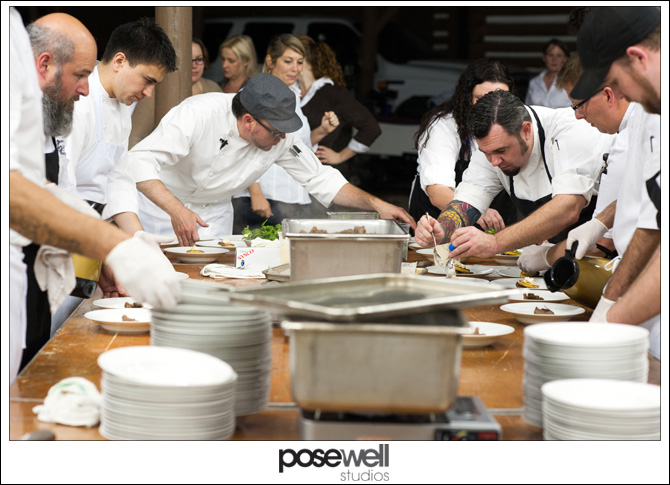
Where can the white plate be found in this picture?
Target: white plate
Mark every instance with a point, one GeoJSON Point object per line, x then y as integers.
{"type": "Point", "coordinates": [414, 245]}
{"type": "Point", "coordinates": [116, 303]}
{"type": "Point", "coordinates": [112, 319]}
{"type": "Point", "coordinates": [589, 335]}
{"type": "Point", "coordinates": [513, 272]}
{"type": "Point", "coordinates": [490, 333]}
{"type": "Point", "coordinates": [208, 256]}
{"type": "Point", "coordinates": [181, 276]}
{"type": "Point", "coordinates": [477, 270]}
{"type": "Point", "coordinates": [545, 294]}
{"type": "Point", "coordinates": [239, 243]}
{"type": "Point", "coordinates": [511, 283]}
{"type": "Point", "coordinates": [604, 395]}
{"type": "Point", "coordinates": [166, 366]}
{"type": "Point", "coordinates": [506, 259]}
{"type": "Point", "coordinates": [523, 312]}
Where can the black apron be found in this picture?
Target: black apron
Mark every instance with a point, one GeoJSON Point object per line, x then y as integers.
{"type": "Point", "coordinates": [526, 207]}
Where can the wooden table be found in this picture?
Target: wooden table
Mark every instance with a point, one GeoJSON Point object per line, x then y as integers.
{"type": "Point", "coordinates": [493, 373]}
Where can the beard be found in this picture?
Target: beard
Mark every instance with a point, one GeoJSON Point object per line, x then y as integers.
{"type": "Point", "coordinates": [515, 171]}
{"type": "Point", "coordinates": [512, 172]}
{"type": "Point", "coordinates": [58, 113]}
{"type": "Point", "coordinates": [650, 100]}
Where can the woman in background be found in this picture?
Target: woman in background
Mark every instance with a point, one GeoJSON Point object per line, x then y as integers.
{"type": "Point", "coordinates": [239, 62]}
{"type": "Point", "coordinates": [322, 89]}
{"type": "Point", "coordinates": [445, 145]}
{"type": "Point", "coordinates": [200, 62]}
{"type": "Point", "coordinates": [542, 90]}
{"type": "Point", "coordinates": [277, 195]}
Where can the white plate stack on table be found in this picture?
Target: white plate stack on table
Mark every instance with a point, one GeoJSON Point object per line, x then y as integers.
{"type": "Point", "coordinates": [567, 350]}
{"type": "Point", "coordinates": [162, 393]}
{"type": "Point", "coordinates": [240, 335]}
{"type": "Point", "coordinates": [599, 409]}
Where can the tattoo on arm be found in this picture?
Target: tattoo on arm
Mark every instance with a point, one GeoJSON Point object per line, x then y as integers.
{"type": "Point", "coordinates": [457, 213]}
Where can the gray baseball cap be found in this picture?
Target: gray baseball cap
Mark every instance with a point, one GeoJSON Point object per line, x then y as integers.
{"type": "Point", "coordinates": [266, 96]}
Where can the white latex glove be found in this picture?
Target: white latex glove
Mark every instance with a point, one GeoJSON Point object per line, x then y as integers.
{"type": "Point", "coordinates": [600, 312]}
{"type": "Point", "coordinates": [588, 234]}
{"type": "Point", "coordinates": [145, 273]}
{"type": "Point", "coordinates": [153, 238]}
{"type": "Point", "coordinates": [534, 259]}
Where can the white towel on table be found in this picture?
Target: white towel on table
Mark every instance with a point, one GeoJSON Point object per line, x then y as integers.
{"type": "Point", "coordinates": [74, 401]}
{"type": "Point", "coordinates": [219, 271]}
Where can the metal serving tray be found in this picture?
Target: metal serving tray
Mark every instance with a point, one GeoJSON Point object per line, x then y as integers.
{"type": "Point", "coordinates": [398, 298]}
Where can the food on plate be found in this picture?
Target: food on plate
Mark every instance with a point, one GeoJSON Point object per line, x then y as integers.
{"type": "Point", "coordinates": [526, 283]}
{"type": "Point", "coordinates": [126, 318]}
{"type": "Point", "coordinates": [193, 250]}
{"type": "Point", "coordinates": [526, 274]}
{"type": "Point", "coordinates": [516, 252]}
{"type": "Point", "coordinates": [133, 304]}
{"type": "Point", "coordinates": [226, 243]}
{"type": "Point", "coordinates": [461, 268]}
{"type": "Point", "coordinates": [316, 230]}
{"type": "Point", "coordinates": [477, 332]}
{"type": "Point", "coordinates": [532, 296]}
{"type": "Point", "coordinates": [543, 311]}
{"type": "Point", "coordinates": [264, 232]}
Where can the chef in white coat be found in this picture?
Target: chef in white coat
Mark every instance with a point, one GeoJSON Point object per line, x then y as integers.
{"type": "Point", "coordinates": [210, 146]}
{"type": "Point", "coordinates": [548, 163]}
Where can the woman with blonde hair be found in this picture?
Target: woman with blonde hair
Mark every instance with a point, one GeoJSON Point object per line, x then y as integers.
{"type": "Point", "coordinates": [322, 88]}
{"type": "Point", "coordinates": [277, 195]}
{"type": "Point", "coordinates": [239, 62]}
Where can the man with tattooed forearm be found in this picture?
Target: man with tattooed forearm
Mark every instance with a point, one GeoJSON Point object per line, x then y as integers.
{"type": "Point", "coordinates": [545, 159]}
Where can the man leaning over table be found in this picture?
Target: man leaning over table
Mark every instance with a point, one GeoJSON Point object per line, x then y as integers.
{"type": "Point", "coordinates": [630, 62]}
{"type": "Point", "coordinates": [546, 160]}
{"type": "Point", "coordinates": [38, 212]}
{"type": "Point", "coordinates": [211, 146]}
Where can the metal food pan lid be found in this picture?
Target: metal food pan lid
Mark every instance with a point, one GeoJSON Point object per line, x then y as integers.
{"type": "Point", "coordinates": [369, 297]}
{"type": "Point", "coordinates": [374, 229]}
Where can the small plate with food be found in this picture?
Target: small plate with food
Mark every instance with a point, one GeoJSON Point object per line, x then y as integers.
{"type": "Point", "coordinates": [230, 244]}
{"type": "Point", "coordinates": [541, 312]}
{"type": "Point", "coordinates": [126, 320]}
{"type": "Point", "coordinates": [539, 296]}
{"type": "Point", "coordinates": [470, 270]}
{"type": "Point", "coordinates": [485, 333]}
{"type": "Point", "coordinates": [515, 272]}
{"type": "Point", "coordinates": [522, 283]}
{"type": "Point", "coordinates": [508, 258]}
{"type": "Point", "coordinates": [120, 303]}
{"type": "Point", "coordinates": [196, 255]}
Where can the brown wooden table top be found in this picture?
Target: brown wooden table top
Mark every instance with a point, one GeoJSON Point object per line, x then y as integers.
{"type": "Point", "coordinates": [492, 373]}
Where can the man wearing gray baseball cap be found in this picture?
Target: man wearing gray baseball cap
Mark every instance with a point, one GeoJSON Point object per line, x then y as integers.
{"type": "Point", "coordinates": [212, 145]}
{"type": "Point", "coordinates": [621, 46]}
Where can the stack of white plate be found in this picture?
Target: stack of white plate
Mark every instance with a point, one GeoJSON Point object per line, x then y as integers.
{"type": "Point", "coordinates": [240, 335]}
{"type": "Point", "coordinates": [598, 409]}
{"type": "Point", "coordinates": [567, 350]}
{"type": "Point", "coordinates": [161, 393]}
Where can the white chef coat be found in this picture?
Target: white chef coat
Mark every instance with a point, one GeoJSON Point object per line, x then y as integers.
{"type": "Point", "coordinates": [276, 183]}
{"type": "Point", "coordinates": [574, 155]}
{"type": "Point", "coordinates": [634, 209]}
{"type": "Point", "coordinates": [437, 160]}
{"type": "Point", "coordinates": [188, 154]}
{"type": "Point", "coordinates": [92, 166]}
{"type": "Point", "coordinates": [538, 94]}
{"type": "Point", "coordinates": [26, 141]}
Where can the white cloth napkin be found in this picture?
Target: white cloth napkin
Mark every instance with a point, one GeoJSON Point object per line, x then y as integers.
{"type": "Point", "coordinates": [54, 273]}
{"type": "Point", "coordinates": [74, 401]}
{"type": "Point", "coordinates": [219, 271]}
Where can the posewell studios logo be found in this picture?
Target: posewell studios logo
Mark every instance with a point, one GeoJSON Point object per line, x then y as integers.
{"type": "Point", "coordinates": [363, 465]}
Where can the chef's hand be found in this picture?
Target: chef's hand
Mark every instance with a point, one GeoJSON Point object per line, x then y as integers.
{"type": "Point", "coordinates": [153, 238]}
{"type": "Point", "coordinates": [491, 220]}
{"type": "Point", "coordinates": [185, 224]}
{"type": "Point", "coordinates": [145, 273]}
{"type": "Point", "coordinates": [426, 226]}
{"type": "Point", "coordinates": [470, 241]}
{"type": "Point", "coordinates": [600, 312]}
{"type": "Point", "coordinates": [328, 156]}
{"type": "Point", "coordinates": [261, 206]}
{"type": "Point", "coordinates": [534, 259]}
{"type": "Point", "coordinates": [390, 211]}
{"type": "Point", "coordinates": [110, 288]}
{"type": "Point", "coordinates": [587, 235]}
{"type": "Point", "coordinates": [330, 121]}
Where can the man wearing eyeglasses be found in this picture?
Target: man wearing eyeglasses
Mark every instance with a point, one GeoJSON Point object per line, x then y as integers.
{"type": "Point", "coordinates": [545, 159]}
{"type": "Point", "coordinates": [211, 146]}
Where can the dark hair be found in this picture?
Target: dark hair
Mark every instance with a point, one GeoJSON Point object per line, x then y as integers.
{"type": "Point", "coordinates": [558, 43]}
{"type": "Point", "coordinates": [238, 109]}
{"type": "Point", "coordinates": [322, 59]}
{"type": "Point", "coordinates": [205, 54]}
{"type": "Point", "coordinates": [498, 108]}
{"type": "Point", "coordinates": [142, 42]}
{"type": "Point", "coordinates": [576, 18]}
{"type": "Point", "coordinates": [460, 104]}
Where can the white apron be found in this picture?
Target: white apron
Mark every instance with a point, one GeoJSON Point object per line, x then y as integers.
{"type": "Point", "coordinates": [18, 287]}
{"type": "Point", "coordinates": [93, 170]}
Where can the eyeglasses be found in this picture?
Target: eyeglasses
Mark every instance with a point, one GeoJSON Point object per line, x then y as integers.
{"type": "Point", "coordinates": [198, 61]}
{"type": "Point", "coordinates": [583, 101]}
{"type": "Point", "coordinates": [274, 134]}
